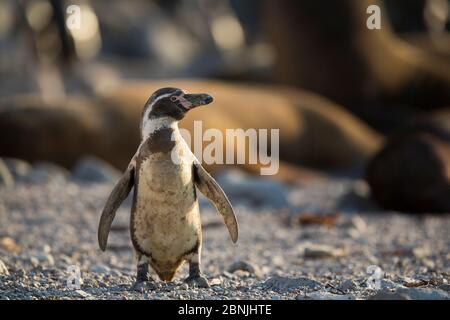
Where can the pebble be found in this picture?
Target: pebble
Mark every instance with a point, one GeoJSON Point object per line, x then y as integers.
{"type": "Point", "coordinates": [445, 287]}
{"type": "Point", "coordinates": [99, 268]}
{"type": "Point", "coordinates": [215, 282]}
{"type": "Point", "coordinates": [82, 293]}
{"type": "Point", "coordinates": [6, 178]}
{"type": "Point", "coordinates": [279, 283]}
{"type": "Point", "coordinates": [346, 286]}
{"type": "Point", "coordinates": [10, 245]}
{"type": "Point", "coordinates": [3, 269]}
{"type": "Point", "coordinates": [325, 296]}
{"type": "Point", "coordinates": [322, 252]}
{"type": "Point", "coordinates": [44, 257]}
{"type": "Point", "coordinates": [94, 170]}
{"type": "Point", "coordinates": [424, 293]}
{"type": "Point", "coordinates": [389, 295]}
{"type": "Point", "coordinates": [244, 266]}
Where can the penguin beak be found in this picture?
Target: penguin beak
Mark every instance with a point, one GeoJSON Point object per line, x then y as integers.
{"type": "Point", "coordinates": [196, 100]}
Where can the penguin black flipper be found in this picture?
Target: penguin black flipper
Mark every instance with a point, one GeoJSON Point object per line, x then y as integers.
{"type": "Point", "coordinates": [211, 189]}
{"type": "Point", "coordinates": [117, 196]}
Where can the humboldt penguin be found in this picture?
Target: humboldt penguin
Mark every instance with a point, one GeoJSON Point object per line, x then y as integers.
{"type": "Point", "coordinates": [165, 222]}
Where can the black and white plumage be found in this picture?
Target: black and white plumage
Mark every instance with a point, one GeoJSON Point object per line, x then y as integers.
{"type": "Point", "coordinates": [165, 222]}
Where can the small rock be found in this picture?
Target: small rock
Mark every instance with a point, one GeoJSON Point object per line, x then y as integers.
{"type": "Point", "coordinates": [100, 268]}
{"type": "Point", "coordinates": [244, 266]}
{"type": "Point", "coordinates": [44, 172]}
{"type": "Point", "coordinates": [10, 245]}
{"type": "Point", "coordinates": [228, 275]}
{"type": "Point", "coordinates": [17, 167]}
{"type": "Point", "coordinates": [34, 261]}
{"type": "Point", "coordinates": [322, 252]}
{"type": "Point", "coordinates": [325, 296]}
{"type": "Point", "coordinates": [445, 287]}
{"type": "Point", "coordinates": [424, 293]}
{"type": "Point", "coordinates": [91, 169]}
{"type": "Point", "coordinates": [253, 190]}
{"type": "Point", "coordinates": [388, 295]}
{"type": "Point", "coordinates": [387, 284]}
{"type": "Point", "coordinates": [421, 252]}
{"type": "Point", "coordinates": [279, 283]}
{"type": "Point", "coordinates": [45, 258]}
{"type": "Point", "coordinates": [82, 293]}
{"type": "Point", "coordinates": [359, 224]}
{"type": "Point", "coordinates": [242, 274]}
{"type": "Point", "coordinates": [347, 286]}
{"type": "Point", "coordinates": [184, 286]}
{"type": "Point", "coordinates": [6, 178]}
{"type": "Point", "coordinates": [215, 282]}
{"type": "Point", "coordinates": [3, 269]}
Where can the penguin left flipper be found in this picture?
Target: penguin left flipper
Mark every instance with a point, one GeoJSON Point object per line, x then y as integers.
{"type": "Point", "coordinates": [117, 196]}
{"type": "Point", "coordinates": [211, 189]}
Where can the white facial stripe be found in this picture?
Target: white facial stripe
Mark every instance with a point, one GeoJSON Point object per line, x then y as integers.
{"type": "Point", "coordinates": [151, 125]}
{"type": "Point", "coordinates": [145, 118]}
{"type": "Point", "coordinates": [157, 99]}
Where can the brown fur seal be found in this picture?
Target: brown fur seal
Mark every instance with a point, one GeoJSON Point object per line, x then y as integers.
{"type": "Point", "coordinates": [313, 130]}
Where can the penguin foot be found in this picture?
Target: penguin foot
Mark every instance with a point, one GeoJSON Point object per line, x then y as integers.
{"type": "Point", "coordinates": [142, 286]}
{"type": "Point", "coordinates": [197, 281]}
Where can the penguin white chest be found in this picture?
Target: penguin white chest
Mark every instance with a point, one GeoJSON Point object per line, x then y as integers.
{"type": "Point", "coordinates": [166, 221]}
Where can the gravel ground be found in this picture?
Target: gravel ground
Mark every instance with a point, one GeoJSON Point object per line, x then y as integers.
{"type": "Point", "coordinates": [308, 242]}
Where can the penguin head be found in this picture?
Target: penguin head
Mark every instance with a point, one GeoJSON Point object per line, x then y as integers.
{"type": "Point", "coordinates": [173, 103]}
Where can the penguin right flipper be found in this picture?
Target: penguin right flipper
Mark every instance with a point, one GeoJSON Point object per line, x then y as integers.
{"type": "Point", "coordinates": [211, 189]}
{"type": "Point", "coordinates": [118, 194]}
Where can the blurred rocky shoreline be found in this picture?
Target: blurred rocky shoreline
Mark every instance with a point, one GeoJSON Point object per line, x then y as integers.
{"type": "Point", "coordinates": [311, 241]}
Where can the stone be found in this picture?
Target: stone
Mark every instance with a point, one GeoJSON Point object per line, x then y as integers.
{"type": "Point", "coordinates": [410, 173]}
{"type": "Point", "coordinates": [3, 269]}
{"type": "Point", "coordinates": [10, 245]}
{"type": "Point", "coordinates": [255, 191]}
{"type": "Point", "coordinates": [346, 286]}
{"type": "Point", "coordinates": [99, 268]}
{"type": "Point", "coordinates": [6, 178]}
{"type": "Point", "coordinates": [93, 170]}
{"type": "Point", "coordinates": [325, 296]}
{"type": "Point", "coordinates": [388, 295]}
{"type": "Point", "coordinates": [424, 293]}
{"type": "Point", "coordinates": [244, 266]}
{"type": "Point", "coordinates": [280, 283]}
{"type": "Point", "coordinates": [322, 251]}
{"type": "Point", "coordinates": [411, 294]}
{"type": "Point", "coordinates": [18, 168]}
{"type": "Point", "coordinates": [82, 293]}
{"type": "Point", "coordinates": [45, 258]}
{"type": "Point", "coordinates": [445, 287]}
{"type": "Point", "coordinates": [43, 172]}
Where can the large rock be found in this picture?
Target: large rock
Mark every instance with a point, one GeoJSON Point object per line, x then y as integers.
{"type": "Point", "coordinates": [412, 172]}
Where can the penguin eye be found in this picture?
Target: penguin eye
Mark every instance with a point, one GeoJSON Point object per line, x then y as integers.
{"type": "Point", "coordinates": [173, 98]}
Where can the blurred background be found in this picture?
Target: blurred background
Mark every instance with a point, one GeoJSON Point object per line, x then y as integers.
{"type": "Point", "coordinates": [364, 126]}
{"type": "Point", "coordinates": [381, 97]}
